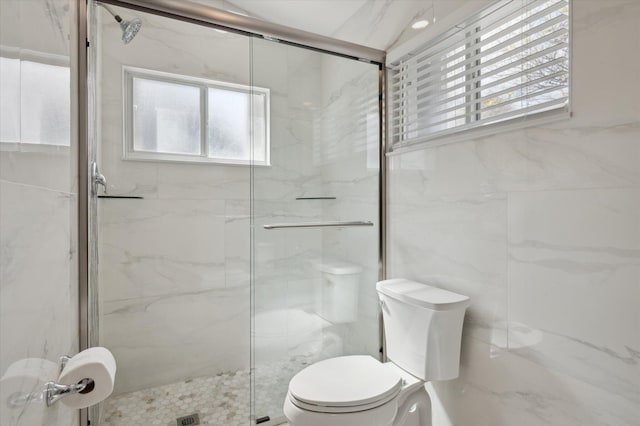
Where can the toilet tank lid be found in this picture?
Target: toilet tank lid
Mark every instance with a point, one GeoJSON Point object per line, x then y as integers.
{"type": "Point", "coordinates": [338, 267]}
{"type": "Point", "coordinates": [423, 295]}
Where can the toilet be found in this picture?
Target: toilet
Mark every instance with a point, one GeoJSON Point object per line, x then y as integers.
{"type": "Point", "coordinates": [336, 298]}
{"type": "Point", "coordinates": [423, 330]}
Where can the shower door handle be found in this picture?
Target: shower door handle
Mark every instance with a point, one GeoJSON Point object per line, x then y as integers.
{"type": "Point", "coordinates": [318, 224]}
{"type": "Point", "coordinates": [97, 178]}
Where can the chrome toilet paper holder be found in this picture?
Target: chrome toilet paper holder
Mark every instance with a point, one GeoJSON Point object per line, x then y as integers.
{"type": "Point", "coordinates": [53, 391]}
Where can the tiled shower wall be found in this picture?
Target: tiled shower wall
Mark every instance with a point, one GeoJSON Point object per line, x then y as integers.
{"type": "Point", "coordinates": [541, 227]}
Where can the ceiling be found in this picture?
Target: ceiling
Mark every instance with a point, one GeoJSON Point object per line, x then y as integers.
{"type": "Point", "coordinates": [379, 24]}
{"type": "Point", "coordinates": [317, 16]}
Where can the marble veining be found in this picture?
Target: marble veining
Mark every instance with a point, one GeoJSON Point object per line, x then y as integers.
{"type": "Point", "coordinates": [38, 242]}
{"type": "Point", "coordinates": [540, 227]}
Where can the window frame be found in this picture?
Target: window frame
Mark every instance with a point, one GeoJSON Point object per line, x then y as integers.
{"type": "Point", "coordinates": [469, 129]}
{"type": "Point", "coordinates": [203, 84]}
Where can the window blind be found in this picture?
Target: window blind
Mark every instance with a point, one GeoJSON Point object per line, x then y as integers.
{"type": "Point", "coordinates": [508, 61]}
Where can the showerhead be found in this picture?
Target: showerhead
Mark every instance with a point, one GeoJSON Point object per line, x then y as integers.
{"type": "Point", "coordinates": [129, 28]}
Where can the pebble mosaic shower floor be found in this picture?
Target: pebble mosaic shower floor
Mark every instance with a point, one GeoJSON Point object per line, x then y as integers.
{"type": "Point", "coordinates": [220, 400]}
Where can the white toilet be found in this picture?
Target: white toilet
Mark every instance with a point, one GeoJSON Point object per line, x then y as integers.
{"type": "Point", "coordinates": [423, 329]}
{"type": "Point", "coordinates": [337, 291]}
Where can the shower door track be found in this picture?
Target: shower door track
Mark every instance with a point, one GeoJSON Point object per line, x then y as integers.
{"type": "Point", "coordinates": [204, 15]}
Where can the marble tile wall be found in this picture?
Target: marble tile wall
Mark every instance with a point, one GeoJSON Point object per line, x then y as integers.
{"type": "Point", "coordinates": [541, 227]}
{"type": "Point", "coordinates": [38, 221]}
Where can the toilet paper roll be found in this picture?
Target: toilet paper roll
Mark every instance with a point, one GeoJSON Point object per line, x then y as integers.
{"type": "Point", "coordinates": [97, 364]}
{"type": "Point", "coordinates": [21, 385]}
{"type": "Point", "coordinates": [26, 375]}
{"type": "Point", "coordinates": [30, 369]}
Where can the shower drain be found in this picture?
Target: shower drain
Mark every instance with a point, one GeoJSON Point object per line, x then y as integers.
{"type": "Point", "coordinates": [190, 420]}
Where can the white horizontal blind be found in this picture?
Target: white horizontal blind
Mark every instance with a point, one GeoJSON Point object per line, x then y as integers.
{"type": "Point", "coordinates": [510, 60]}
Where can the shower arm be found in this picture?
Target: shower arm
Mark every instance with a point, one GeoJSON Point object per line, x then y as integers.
{"type": "Point", "coordinates": [129, 28]}
{"type": "Point", "coordinates": [108, 9]}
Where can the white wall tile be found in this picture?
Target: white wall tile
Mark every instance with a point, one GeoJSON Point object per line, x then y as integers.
{"type": "Point", "coordinates": [502, 388]}
{"type": "Point", "coordinates": [458, 243]}
{"type": "Point", "coordinates": [550, 215]}
{"type": "Point", "coordinates": [166, 339]}
{"type": "Point", "coordinates": [574, 278]}
{"type": "Point", "coordinates": [38, 221]}
{"type": "Point", "coordinates": [160, 247]}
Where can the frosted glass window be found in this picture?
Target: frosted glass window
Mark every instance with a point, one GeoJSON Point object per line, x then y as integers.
{"type": "Point", "coordinates": [45, 106]}
{"type": "Point", "coordinates": [166, 117]}
{"type": "Point", "coordinates": [10, 100]}
{"type": "Point", "coordinates": [229, 125]}
{"type": "Point", "coordinates": [35, 106]}
{"type": "Point", "coordinates": [174, 117]}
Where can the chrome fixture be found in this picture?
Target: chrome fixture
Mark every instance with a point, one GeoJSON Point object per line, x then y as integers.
{"type": "Point", "coordinates": [318, 224]}
{"type": "Point", "coordinates": [53, 391]}
{"type": "Point", "coordinates": [97, 178]}
{"type": "Point", "coordinates": [129, 28]}
{"type": "Point", "coordinates": [122, 197]}
{"type": "Point", "coordinates": [64, 359]}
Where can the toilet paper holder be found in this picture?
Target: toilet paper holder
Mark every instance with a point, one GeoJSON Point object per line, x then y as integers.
{"type": "Point", "coordinates": [53, 391]}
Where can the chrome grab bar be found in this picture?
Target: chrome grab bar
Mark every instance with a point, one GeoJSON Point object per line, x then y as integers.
{"type": "Point", "coordinates": [318, 224]}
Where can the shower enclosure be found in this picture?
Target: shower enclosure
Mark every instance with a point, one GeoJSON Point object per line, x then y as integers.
{"type": "Point", "coordinates": [234, 213]}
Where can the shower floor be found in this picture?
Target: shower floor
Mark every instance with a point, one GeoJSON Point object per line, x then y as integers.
{"type": "Point", "coordinates": [220, 400]}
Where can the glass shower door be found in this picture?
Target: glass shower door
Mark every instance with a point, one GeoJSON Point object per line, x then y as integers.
{"type": "Point", "coordinates": [170, 283]}
{"type": "Point", "coordinates": [315, 216]}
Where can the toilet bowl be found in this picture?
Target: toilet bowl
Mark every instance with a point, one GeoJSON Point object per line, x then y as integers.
{"type": "Point", "coordinates": [423, 327]}
{"type": "Point", "coordinates": [351, 390]}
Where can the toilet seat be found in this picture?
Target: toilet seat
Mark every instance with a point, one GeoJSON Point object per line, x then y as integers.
{"type": "Point", "coordinates": [345, 384]}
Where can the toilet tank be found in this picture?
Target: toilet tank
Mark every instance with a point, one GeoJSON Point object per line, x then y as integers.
{"type": "Point", "coordinates": [423, 327]}
{"type": "Point", "coordinates": [337, 292]}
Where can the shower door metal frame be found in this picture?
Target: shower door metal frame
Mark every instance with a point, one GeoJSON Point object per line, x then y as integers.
{"type": "Point", "coordinates": [200, 14]}
{"type": "Point", "coordinates": [82, 103]}
{"type": "Point", "coordinates": [204, 15]}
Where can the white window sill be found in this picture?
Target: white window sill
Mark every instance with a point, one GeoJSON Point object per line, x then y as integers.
{"type": "Point", "coordinates": [33, 147]}
{"type": "Point", "coordinates": [482, 131]}
{"type": "Point", "coordinates": [188, 159]}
